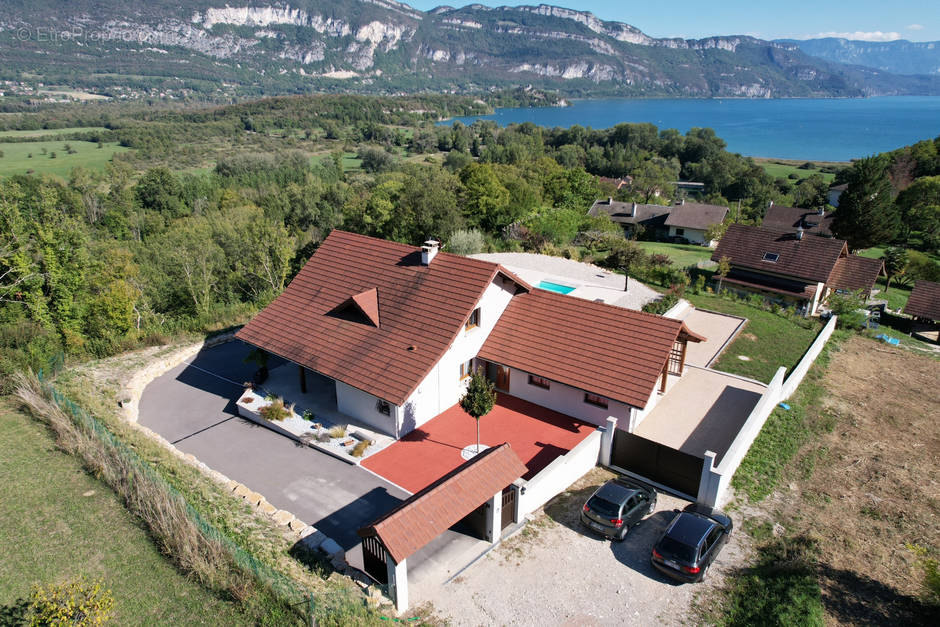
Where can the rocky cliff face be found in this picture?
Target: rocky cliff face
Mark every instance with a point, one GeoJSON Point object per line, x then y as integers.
{"type": "Point", "coordinates": [385, 45]}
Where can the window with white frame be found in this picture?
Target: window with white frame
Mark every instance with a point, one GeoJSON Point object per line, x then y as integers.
{"type": "Point", "coordinates": [466, 369]}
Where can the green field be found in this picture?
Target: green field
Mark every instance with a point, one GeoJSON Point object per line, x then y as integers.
{"type": "Point", "coordinates": [58, 522]}
{"type": "Point", "coordinates": [16, 159]}
{"type": "Point", "coordinates": [767, 340]}
{"type": "Point", "coordinates": [41, 132]}
{"type": "Point", "coordinates": [683, 255]}
{"type": "Point", "coordinates": [778, 169]}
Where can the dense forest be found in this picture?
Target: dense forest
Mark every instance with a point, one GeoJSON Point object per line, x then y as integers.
{"type": "Point", "coordinates": [212, 211]}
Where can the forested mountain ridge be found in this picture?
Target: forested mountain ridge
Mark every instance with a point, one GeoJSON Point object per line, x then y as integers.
{"type": "Point", "coordinates": [274, 46]}
{"type": "Point", "coordinates": [899, 56]}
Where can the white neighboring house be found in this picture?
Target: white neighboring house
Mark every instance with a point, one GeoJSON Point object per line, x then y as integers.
{"type": "Point", "coordinates": [399, 329]}
{"type": "Point", "coordinates": [691, 220]}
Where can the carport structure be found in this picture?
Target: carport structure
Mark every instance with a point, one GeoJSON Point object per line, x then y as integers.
{"type": "Point", "coordinates": [472, 490]}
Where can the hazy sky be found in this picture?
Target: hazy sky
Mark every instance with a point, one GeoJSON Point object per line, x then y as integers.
{"type": "Point", "coordinates": [873, 20]}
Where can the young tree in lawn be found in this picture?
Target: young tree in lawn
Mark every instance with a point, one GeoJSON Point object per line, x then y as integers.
{"type": "Point", "coordinates": [867, 215]}
{"type": "Point", "coordinates": [724, 267]}
{"type": "Point", "coordinates": [479, 399]}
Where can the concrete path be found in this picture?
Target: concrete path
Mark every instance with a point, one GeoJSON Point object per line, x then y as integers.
{"type": "Point", "coordinates": [192, 407]}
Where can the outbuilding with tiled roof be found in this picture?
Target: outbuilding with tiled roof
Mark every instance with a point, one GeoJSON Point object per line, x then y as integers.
{"type": "Point", "coordinates": [924, 301]}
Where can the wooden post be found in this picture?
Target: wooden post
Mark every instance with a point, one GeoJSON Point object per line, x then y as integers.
{"type": "Point", "coordinates": [685, 345]}
{"type": "Point", "coordinates": [662, 385]}
{"type": "Point", "coordinates": [303, 378]}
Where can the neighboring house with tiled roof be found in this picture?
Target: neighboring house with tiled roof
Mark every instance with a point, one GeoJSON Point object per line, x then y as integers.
{"type": "Point", "coordinates": [399, 329]}
{"type": "Point", "coordinates": [792, 268]}
{"type": "Point", "coordinates": [683, 220]}
{"type": "Point", "coordinates": [630, 215]}
{"type": "Point", "coordinates": [691, 220]}
{"type": "Point", "coordinates": [812, 222]}
{"type": "Point", "coordinates": [924, 301]}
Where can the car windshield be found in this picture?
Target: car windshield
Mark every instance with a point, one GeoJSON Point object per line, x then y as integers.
{"type": "Point", "coordinates": [673, 549]}
{"type": "Point", "coordinates": [603, 507]}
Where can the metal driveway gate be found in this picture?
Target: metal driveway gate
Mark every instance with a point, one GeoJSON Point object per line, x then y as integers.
{"type": "Point", "coordinates": [657, 462]}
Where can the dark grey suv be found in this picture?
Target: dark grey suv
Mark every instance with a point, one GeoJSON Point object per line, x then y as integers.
{"type": "Point", "coordinates": [691, 542]}
{"type": "Point", "coordinates": [618, 505]}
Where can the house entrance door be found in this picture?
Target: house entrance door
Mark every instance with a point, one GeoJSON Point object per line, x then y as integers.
{"type": "Point", "coordinates": [502, 378]}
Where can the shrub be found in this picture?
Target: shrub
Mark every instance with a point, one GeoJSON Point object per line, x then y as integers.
{"type": "Point", "coordinates": [662, 304]}
{"type": "Point", "coordinates": [847, 307]}
{"type": "Point", "coordinates": [466, 242]}
{"type": "Point", "coordinates": [337, 432]}
{"type": "Point", "coordinates": [275, 412]}
{"type": "Point", "coordinates": [699, 286]}
{"type": "Point", "coordinates": [74, 603]}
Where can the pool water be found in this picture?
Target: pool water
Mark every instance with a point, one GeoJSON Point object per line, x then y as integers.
{"type": "Point", "coordinates": [556, 287]}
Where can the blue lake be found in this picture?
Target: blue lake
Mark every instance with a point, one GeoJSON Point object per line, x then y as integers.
{"type": "Point", "coordinates": [824, 129]}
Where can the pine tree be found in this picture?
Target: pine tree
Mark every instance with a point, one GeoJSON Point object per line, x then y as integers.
{"type": "Point", "coordinates": [867, 215]}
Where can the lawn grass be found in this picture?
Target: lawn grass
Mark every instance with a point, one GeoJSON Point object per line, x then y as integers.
{"type": "Point", "coordinates": [16, 158]}
{"type": "Point", "coordinates": [768, 340]}
{"type": "Point", "coordinates": [59, 522]}
{"type": "Point", "coordinates": [42, 132]}
{"type": "Point", "coordinates": [782, 168]}
{"type": "Point", "coordinates": [682, 255]}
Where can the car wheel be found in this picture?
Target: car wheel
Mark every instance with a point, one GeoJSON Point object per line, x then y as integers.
{"type": "Point", "coordinates": [623, 534]}
{"type": "Point", "coordinates": [704, 573]}
{"type": "Point", "coordinates": [652, 507]}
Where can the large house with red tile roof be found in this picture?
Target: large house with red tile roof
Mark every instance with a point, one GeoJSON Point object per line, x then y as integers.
{"type": "Point", "coordinates": [793, 269]}
{"type": "Point", "coordinates": [399, 329]}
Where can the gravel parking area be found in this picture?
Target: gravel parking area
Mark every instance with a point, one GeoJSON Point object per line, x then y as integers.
{"type": "Point", "coordinates": [554, 572]}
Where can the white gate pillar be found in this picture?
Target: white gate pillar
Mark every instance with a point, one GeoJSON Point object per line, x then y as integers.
{"type": "Point", "coordinates": [494, 518]}
{"type": "Point", "coordinates": [397, 582]}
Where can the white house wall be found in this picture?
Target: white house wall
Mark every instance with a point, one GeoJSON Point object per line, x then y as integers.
{"type": "Point", "coordinates": [566, 400]}
{"type": "Point", "coordinates": [364, 407]}
{"type": "Point", "coordinates": [442, 387]}
{"type": "Point", "coordinates": [696, 236]}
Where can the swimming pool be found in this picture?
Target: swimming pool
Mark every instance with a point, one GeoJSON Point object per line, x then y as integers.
{"type": "Point", "coordinates": [556, 287]}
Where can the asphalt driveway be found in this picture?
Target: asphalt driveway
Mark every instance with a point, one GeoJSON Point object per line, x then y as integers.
{"type": "Point", "coordinates": [192, 406]}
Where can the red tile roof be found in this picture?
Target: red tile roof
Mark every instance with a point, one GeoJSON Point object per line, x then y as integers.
{"type": "Point", "coordinates": [432, 511]}
{"type": "Point", "coordinates": [599, 348]}
{"type": "Point", "coordinates": [924, 301]}
{"type": "Point", "coordinates": [368, 303]}
{"type": "Point", "coordinates": [693, 215]}
{"type": "Point", "coordinates": [809, 258]}
{"type": "Point", "coordinates": [420, 306]}
{"type": "Point", "coordinates": [855, 273]}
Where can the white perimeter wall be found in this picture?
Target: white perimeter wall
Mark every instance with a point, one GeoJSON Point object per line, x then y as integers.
{"type": "Point", "coordinates": [558, 475]}
{"type": "Point", "coordinates": [362, 406]}
{"type": "Point", "coordinates": [442, 388]}
{"type": "Point", "coordinates": [713, 488]}
{"type": "Point", "coordinates": [566, 399]}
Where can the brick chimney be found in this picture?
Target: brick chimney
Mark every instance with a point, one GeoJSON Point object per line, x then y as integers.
{"type": "Point", "coordinates": [429, 251]}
